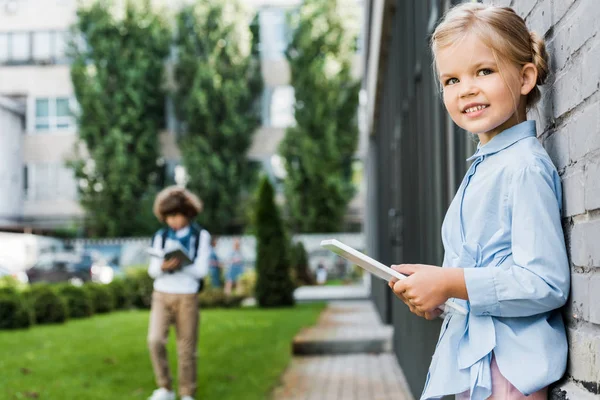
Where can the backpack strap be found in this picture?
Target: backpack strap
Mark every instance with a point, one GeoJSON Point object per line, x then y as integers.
{"type": "Point", "coordinates": [194, 240]}
{"type": "Point", "coordinates": [164, 235]}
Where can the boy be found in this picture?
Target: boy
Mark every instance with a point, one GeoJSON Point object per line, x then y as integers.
{"type": "Point", "coordinates": [175, 296]}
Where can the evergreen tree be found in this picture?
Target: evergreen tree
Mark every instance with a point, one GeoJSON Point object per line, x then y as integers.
{"type": "Point", "coordinates": [300, 265]}
{"type": "Point", "coordinates": [318, 151]}
{"type": "Point", "coordinates": [117, 74]}
{"type": "Point", "coordinates": [274, 286]}
{"type": "Point", "coordinates": [217, 100]}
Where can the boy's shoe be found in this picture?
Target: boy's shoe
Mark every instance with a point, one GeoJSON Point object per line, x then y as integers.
{"type": "Point", "coordinates": [162, 394]}
{"type": "Point", "coordinates": [187, 398]}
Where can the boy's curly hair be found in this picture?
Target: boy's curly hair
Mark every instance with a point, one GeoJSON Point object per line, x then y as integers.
{"type": "Point", "coordinates": [176, 200]}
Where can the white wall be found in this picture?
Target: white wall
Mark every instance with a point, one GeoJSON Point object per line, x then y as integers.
{"type": "Point", "coordinates": [11, 135]}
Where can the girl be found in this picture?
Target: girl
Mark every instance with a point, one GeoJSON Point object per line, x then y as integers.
{"type": "Point", "coordinates": [505, 258]}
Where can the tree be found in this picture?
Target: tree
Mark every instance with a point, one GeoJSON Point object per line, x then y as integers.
{"type": "Point", "coordinates": [274, 286]}
{"type": "Point", "coordinates": [117, 73]}
{"type": "Point", "coordinates": [300, 265]}
{"type": "Point", "coordinates": [318, 151]}
{"type": "Point", "coordinates": [217, 100]}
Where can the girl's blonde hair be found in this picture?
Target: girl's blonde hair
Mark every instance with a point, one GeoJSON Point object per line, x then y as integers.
{"type": "Point", "coordinates": [499, 28]}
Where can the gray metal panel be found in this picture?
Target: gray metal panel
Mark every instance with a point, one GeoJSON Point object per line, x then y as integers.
{"type": "Point", "coordinates": [415, 156]}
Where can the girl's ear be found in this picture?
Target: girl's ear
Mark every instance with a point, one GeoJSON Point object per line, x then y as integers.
{"type": "Point", "coordinates": [528, 78]}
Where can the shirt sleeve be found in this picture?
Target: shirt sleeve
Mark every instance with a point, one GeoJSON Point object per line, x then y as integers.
{"type": "Point", "coordinates": [538, 278]}
{"type": "Point", "coordinates": [155, 262]}
{"type": "Point", "coordinates": [199, 268]}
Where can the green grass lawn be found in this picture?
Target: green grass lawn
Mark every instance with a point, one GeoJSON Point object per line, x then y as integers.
{"type": "Point", "coordinates": [242, 354]}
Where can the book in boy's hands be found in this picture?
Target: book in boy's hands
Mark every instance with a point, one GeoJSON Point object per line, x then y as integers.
{"type": "Point", "coordinates": [174, 251]}
{"type": "Point", "coordinates": [375, 267]}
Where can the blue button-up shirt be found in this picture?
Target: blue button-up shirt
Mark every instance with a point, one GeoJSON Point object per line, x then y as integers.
{"type": "Point", "coordinates": [504, 228]}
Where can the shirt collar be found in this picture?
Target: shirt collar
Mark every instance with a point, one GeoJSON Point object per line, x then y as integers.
{"type": "Point", "coordinates": [505, 139]}
{"type": "Point", "coordinates": [182, 232]}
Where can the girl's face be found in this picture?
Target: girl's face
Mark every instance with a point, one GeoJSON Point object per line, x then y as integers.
{"type": "Point", "coordinates": [177, 221]}
{"type": "Point", "coordinates": [477, 96]}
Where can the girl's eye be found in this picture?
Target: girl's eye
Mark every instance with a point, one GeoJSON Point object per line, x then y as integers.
{"type": "Point", "coordinates": [485, 71]}
{"type": "Point", "coordinates": [451, 81]}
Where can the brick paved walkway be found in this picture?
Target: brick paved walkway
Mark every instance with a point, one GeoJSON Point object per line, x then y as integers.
{"type": "Point", "coordinates": [358, 376]}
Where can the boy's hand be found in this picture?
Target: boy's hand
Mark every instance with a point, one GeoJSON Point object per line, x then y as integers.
{"type": "Point", "coordinates": [170, 265]}
{"type": "Point", "coordinates": [423, 291]}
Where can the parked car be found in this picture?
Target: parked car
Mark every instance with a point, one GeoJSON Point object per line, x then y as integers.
{"type": "Point", "coordinates": [18, 275]}
{"type": "Point", "coordinates": [62, 267]}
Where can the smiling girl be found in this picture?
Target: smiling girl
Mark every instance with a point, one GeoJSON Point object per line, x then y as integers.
{"type": "Point", "coordinates": [505, 258]}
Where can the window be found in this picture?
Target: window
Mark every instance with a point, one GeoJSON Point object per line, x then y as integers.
{"type": "Point", "coordinates": [53, 114]}
{"type": "Point", "coordinates": [20, 49]}
{"type": "Point", "coordinates": [3, 47]}
{"type": "Point", "coordinates": [45, 47]}
{"type": "Point", "coordinates": [42, 45]}
{"type": "Point", "coordinates": [273, 40]}
{"type": "Point", "coordinates": [49, 181]}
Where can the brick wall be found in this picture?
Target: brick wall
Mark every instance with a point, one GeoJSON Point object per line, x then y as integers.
{"type": "Point", "coordinates": [569, 128]}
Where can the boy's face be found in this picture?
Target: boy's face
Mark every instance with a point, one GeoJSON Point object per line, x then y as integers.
{"type": "Point", "coordinates": [177, 221]}
{"type": "Point", "coordinates": [478, 97]}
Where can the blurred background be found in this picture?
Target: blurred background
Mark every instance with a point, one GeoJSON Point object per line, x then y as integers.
{"type": "Point", "coordinates": [323, 116]}
{"type": "Point", "coordinates": [79, 161]}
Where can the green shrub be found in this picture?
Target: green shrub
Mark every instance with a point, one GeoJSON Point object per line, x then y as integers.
{"type": "Point", "coordinates": [122, 293]}
{"type": "Point", "coordinates": [300, 268]}
{"type": "Point", "coordinates": [8, 290]}
{"type": "Point", "coordinates": [47, 305]}
{"type": "Point", "coordinates": [14, 310]}
{"type": "Point", "coordinates": [79, 302]}
{"type": "Point", "coordinates": [216, 298]}
{"type": "Point", "coordinates": [247, 283]}
{"type": "Point", "coordinates": [208, 282]}
{"type": "Point", "coordinates": [102, 297]}
{"type": "Point", "coordinates": [11, 282]}
{"type": "Point", "coordinates": [141, 286]}
{"type": "Point", "coordinates": [274, 286]}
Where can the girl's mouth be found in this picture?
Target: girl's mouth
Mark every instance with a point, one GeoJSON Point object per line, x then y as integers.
{"type": "Point", "coordinates": [474, 109]}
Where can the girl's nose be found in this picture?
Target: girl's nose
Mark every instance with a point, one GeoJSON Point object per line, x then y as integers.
{"type": "Point", "coordinates": [468, 89]}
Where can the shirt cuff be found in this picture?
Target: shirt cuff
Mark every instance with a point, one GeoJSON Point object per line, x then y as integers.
{"type": "Point", "coordinates": [481, 288]}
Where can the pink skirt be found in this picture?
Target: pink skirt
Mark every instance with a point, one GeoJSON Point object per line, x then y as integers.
{"type": "Point", "coordinates": [502, 389]}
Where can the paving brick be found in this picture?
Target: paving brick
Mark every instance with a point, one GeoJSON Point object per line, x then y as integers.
{"type": "Point", "coordinates": [580, 297]}
{"type": "Point", "coordinates": [584, 131]}
{"type": "Point", "coordinates": [568, 89]}
{"type": "Point", "coordinates": [500, 3]}
{"type": "Point", "coordinates": [344, 376]}
{"type": "Point", "coordinates": [557, 146]}
{"type": "Point", "coordinates": [575, 30]}
{"type": "Point", "coordinates": [349, 377]}
{"type": "Point", "coordinates": [591, 62]}
{"type": "Point", "coordinates": [559, 8]}
{"type": "Point", "coordinates": [573, 192]}
{"type": "Point", "coordinates": [523, 7]}
{"type": "Point", "coordinates": [585, 250]}
{"type": "Point", "coordinates": [584, 355]}
{"type": "Point", "coordinates": [540, 18]}
{"type": "Point", "coordinates": [592, 186]}
{"type": "Point", "coordinates": [572, 391]}
{"type": "Point", "coordinates": [594, 299]}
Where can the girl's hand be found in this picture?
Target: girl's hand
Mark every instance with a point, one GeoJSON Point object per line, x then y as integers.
{"type": "Point", "coordinates": [425, 289]}
{"type": "Point", "coordinates": [170, 265]}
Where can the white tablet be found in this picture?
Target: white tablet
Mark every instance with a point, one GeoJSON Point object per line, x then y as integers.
{"type": "Point", "coordinates": [373, 266]}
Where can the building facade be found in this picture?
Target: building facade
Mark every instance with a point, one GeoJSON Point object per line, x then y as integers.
{"type": "Point", "coordinates": [12, 121]}
{"type": "Point", "coordinates": [416, 160]}
{"type": "Point", "coordinates": [35, 71]}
